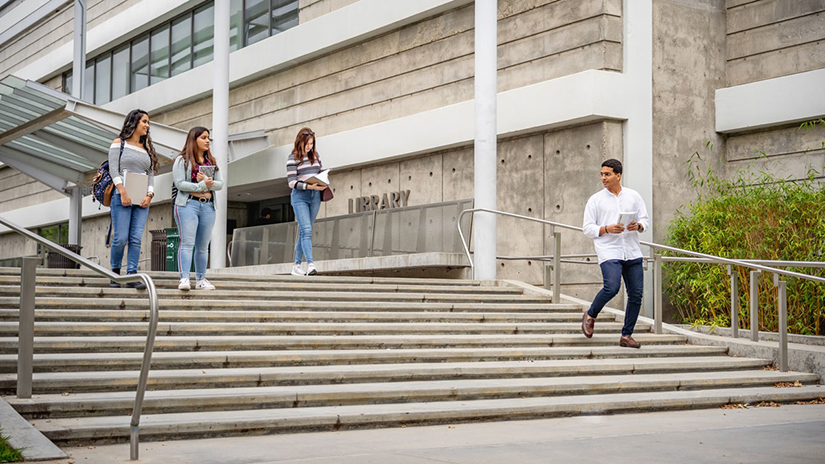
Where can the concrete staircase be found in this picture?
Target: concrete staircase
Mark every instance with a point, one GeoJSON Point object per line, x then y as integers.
{"type": "Point", "coordinates": [287, 354]}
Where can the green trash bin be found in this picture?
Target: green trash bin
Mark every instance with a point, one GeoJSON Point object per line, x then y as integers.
{"type": "Point", "coordinates": [172, 245]}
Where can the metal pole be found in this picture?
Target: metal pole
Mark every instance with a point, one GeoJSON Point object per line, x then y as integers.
{"type": "Point", "coordinates": [734, 302]}
{"type": "Point", "coordinates": [755, 305]}
{"type": "Point", "coordinates": [484, 186]}
{"type": "Point", "coordinates": [783, 322]}
{"type": "Point", "coordinates": [79, 63]}
{"type": "Point", "coordinates": [556, 267]}
{"type": "Point", "coordinates": [25, 328]}
{"type": "Point", "coordinates": [657, 293]}
{"type": "Point", "coordinates": [220, 128]}
{"type": "Point", "coordinates": [75, 215]}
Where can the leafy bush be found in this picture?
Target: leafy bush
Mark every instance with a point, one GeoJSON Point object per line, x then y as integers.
{"type": "Point", "coordinates": [7, 453]}
{"type": "Point", "coordinates": [751, 217]}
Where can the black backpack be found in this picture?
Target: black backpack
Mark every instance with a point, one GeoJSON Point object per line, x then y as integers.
{"type": "Point", "coordinates": [103, 179]}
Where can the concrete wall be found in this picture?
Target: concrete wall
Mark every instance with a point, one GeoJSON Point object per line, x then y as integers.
{"type": "Point", "coordinates": [546, 175]}
{"type": "Point", "coordinates": [50, 34]}
{"type": "Point", "coordinates": [772, 38]}
{"type": "Point", "coordinates": [311, 9]}
{"type": "Point", "coordinates": [419, 67]}
{"type": "Point", "coordinates": [18, 190]}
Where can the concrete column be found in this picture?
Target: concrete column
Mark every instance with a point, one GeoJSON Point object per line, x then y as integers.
{"type": "Point", "coordinates": [75, 215]}
{"type": "Point", "coordinates": [79, 63]}
{"type": "Point", "coordinates": [638, 129]}
{"type": "Point", "coordinates": [220, 128]}
{"type": "Point", "coordinates": [484, 186]}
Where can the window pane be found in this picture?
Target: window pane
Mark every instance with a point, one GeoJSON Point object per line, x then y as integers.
{"type": "Point", "coordinates": [67, 83]}
{"type": "Point", "coordinates": [120, 72]}
{"type": "Point", "coordinates": [140, 63]}
{"type": "Point", "coordinates": [160, 55]}
{"type": "Point", "coordinates": [182, 45]}
{"type": "Point", "coordinates": [89, 82]}
{"type": "Point", "coordinates": [103, 74]}
{"type": "Point", "coordinates": [235, 24]}
{"type": "Point", "coordinates": [204, 35]}
{"type": "Point", "coordinates": [257, 20]}
{"type": "Point", "coordinates": [284, 15]}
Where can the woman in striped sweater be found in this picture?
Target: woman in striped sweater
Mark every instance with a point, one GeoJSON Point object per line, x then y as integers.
{"type": "Point", "coordinates": [302, 164]}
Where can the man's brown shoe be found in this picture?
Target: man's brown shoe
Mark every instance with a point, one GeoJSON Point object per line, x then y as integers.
{"type": "Point", "coordinates": [628, 342]}
{"type": "Point", "coordinates": [587, 325]}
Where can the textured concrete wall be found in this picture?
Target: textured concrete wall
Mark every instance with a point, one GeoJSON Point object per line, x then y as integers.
{"type": "Point", "coordinates": [419, 67]}
{"type": "Point", "coordinates": [311, 9]}
{"type": "Point", "coordinates": [57, 30]}
{"type": "Point", "coordinates": [688, 66]}
{"type": "Point", "coordinates": [18, 190]}
{"type": "Point", "coordinates": [772, 38]}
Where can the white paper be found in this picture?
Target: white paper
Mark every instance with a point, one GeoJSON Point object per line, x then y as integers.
{"type": "Point", "coordinates": [626, 218]}
{"type": "Point", "coordinates": [136, 185]}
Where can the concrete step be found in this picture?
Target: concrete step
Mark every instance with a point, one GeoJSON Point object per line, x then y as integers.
{"type": "Point", "coordinates": [103, 315]}
{"type": "Point", "coordinates": [85, 304]}
{"type": "Point", "coordinates": [285, 285]}
{"type": "Point", "coordinates": [42, 329]}
{"type": "Point", "coordinates": [291, 420]}
{"type": "Point", "coordinates": [57, 382]}
{"type": "Point", "coordinates": [173, 276]}
{"type": "Point", "coordinates": [9, 345]}
{"type": "Point", "coordinates": [8, 295]}
{"type": "Point", "coordinates": [69, 362]}
{"type": "Point", "coordinates": [309, 396]}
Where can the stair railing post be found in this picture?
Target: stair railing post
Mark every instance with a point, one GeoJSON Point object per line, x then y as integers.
{"type": "Point", "coordinates": [755, 305]}
{"type": "Point", "coordinates": [734, 302]}
{"type": "Point", "coordinates": [556, 266]}
{"type": "Point", "coordinates": [25, 328]}
{"type": "Point", "coordinates": [782, 302]}
{"type": "Point", "coordinates": [657, 293]}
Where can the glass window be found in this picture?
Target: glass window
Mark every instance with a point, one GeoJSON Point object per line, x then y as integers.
{"type": "Point", "coordinates": [67, 83]}
{"type": "Point", "coordinates": [140, 63]}
{"type": "Point", "coordinates": [103, 76]}
{"type": "Point", "coordinates": [204, 35]}
{"type": "Point", "coordinates": [256, 21]}
{"type": "Point", "coordinates": [120, 72]}
{"type": "Point", "coordinates": [159, 69]}
{"type": "Point", "coordinates": [182, 45]}
{"type": "Point", "coordinates": [89, 82]}
{"type": "Point", "coordinates": [235, 24]}
{"type": "Point", "coordinates": [284, 15]}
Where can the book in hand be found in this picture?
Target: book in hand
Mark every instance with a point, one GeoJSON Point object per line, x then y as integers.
{"type": "Point", "coordinates": [136, 185]}
{"type": "Point", "coordinates": [322, 178]}
{"type": "Point", "coordinates": [208, 171]}
{"type": "Point", "coordinates": [626, 218]}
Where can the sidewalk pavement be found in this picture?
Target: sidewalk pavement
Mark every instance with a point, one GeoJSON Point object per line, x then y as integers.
{"type": "Point", "coordinates": [788, 434]}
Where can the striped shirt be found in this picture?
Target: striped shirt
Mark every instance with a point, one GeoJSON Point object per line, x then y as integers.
{"type": "Point", "coordinates": [134, 159]}
{"type": "Point", "coordinates": [297, 174]}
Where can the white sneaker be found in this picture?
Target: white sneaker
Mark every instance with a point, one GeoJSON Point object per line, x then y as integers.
{"type": "Point", "coordinates": [297, 271]}
{"type": "Point", "coordinates": [204, 285]}
{"type": "Point", "coordinates": [311, 269]}
{"type": "Point", "coordinates": [184, 285]}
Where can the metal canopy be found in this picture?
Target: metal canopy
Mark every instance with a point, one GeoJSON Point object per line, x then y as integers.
{"type": "Point", "coordinates": [61, 141]}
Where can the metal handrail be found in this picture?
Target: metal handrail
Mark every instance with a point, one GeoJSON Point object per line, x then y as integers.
{"type": "Point", "coordinates": [134, 435]}
{"type": "Point", "coordinates": [657, 276]}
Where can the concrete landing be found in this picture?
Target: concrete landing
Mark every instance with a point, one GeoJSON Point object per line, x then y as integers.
{"type": "Point", "coordinates": [789, 434]}
{"type": "Point", "coordinates": [33, 445]}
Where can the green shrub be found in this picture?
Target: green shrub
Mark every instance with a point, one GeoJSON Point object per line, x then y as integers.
{"type": "Point", "coordinates": [7, 453]}
{"type": "Point", "coordinates": [751, 217]}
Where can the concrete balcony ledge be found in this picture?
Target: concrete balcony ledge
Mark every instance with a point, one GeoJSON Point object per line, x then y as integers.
{"type": "Point", "coordinates": [429, 265]}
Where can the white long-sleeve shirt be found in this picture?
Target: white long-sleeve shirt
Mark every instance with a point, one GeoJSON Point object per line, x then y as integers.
{"type": "Point", "coordinates": [603, 209]}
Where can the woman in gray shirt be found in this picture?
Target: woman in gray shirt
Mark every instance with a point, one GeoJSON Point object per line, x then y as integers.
{"type": "Point", "coordinates": [131, 152]}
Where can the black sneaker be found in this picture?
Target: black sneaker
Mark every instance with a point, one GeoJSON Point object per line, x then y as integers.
{"type": "Point", "coordinates": [112, 283]}
{"type": "Point", "coordinates": [138, 285]}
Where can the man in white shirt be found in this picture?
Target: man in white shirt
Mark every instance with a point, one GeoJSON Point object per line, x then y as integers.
{"type": "Point", "coordinates": [617, 246]}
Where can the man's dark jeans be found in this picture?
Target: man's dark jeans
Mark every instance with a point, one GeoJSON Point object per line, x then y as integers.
{"type": "Point", "coordinates": [634, 278]}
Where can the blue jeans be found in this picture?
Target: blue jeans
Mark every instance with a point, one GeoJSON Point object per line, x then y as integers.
{"type": "Point", "coordinates": [306, 204]}
{"type": "Point", "coordinates": [127, 226]}
{"type": "Point", "coordinates": [634, 278]}
{"type": "Point", "coordinates": [195, 221]}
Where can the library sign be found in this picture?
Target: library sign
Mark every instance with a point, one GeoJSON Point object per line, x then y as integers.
{"type": "Point", "coordinates": [375, 202]}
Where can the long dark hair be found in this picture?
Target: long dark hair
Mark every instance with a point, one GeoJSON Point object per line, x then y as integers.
{"type": "Point", "coordinates": [304, 135]}
{"type": "Point", "coordinates": [190, 148]}
{"type": "Point", "coordinates": [129, 126]}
